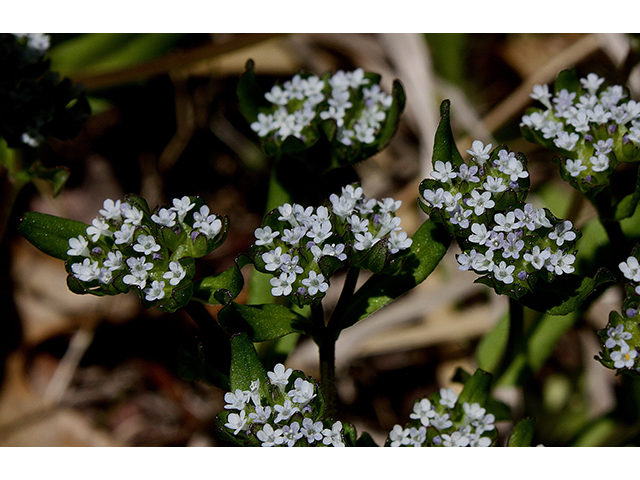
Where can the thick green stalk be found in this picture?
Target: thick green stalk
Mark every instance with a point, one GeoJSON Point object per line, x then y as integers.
{"type": "Point", "coordinates": [514, 339]}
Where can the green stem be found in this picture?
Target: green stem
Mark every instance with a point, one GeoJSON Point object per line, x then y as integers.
{"type": "Point", "coordinates": [213, 333]}
{"type": "Point", "coordinates": [515, 337]}
{"type": "Point", "coordinates": [349, 287]}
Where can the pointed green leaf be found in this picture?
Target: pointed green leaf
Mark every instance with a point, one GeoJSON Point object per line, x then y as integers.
{"type": "Point", "coordinates": [262, 322]}
{"type": "Point", "coordinates": [564, 294]}
{"type": "Point", "coordinates": [56, 176]}
{"type": "Point", "coordinates": [223, 287]}
{"type": "Point", "coordinates": [50, 234]}
{"type": "Point", "coordinates": [444, 145]}
{"type": "Point", "coordinates": [627, 206]}
{"type": "Point", "coordinates": [476, 388]}
{"type": "Point", "coordinates": [246, 366]}
{"type": "Point", "coordinates": [522, 434]}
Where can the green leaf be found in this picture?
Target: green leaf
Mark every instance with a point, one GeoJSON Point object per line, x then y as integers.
{"type": "Point", "coordinates": [222, 288]}
{"type": "Point", "coordinates": [564, 294]}
{"type": "Point", "coordinates": [250, 95]}
{"type": "Point", "coordinates": [50, 234]}
{"type": "Point", "coordinates": [262, 322]}
{"type": "Point", "coordinates": [246, 366]}
{"type": "Point", "coordinates": [430, 243]}
{"type": "Point", "coordinates": [522, 434]}
{"type": "Point", "coordinates": [627, 206]}
{"type": "Point", "coordinates": [444, 145]}
{"type": "Point", "coordinates": [567, 79]}
{"type": "Point", "coordinates": [476, 388]}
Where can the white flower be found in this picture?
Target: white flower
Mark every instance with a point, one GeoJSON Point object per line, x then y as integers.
{"type": "Point", "coordinates": [443, 171]}
{"type": "Point", "coordinates": [603, 147]}
{"type": "Point", "coordinates": [599, 163]}
{"type": "Point", "coordinates": [483, 262]}
{"type": "Point", "coordinates": [417, 436]}
{"type": "Point", "coordinates": [364, 241]}
{"type": "Point", "coordinates": [273, 259]}
{"type": "Point", "coordinates": [591, 83]}
{"type": "Point", "coordinates": [181, 206]}
{"type": "Point", "coordinates": [574, 167]}
{"type": "Point", "coordinates": [125, 234]}
{"type": "Point", "coordinates": [435, 199]}
{"type": "Point", "coordinates": [282, 284]}
{"type": "Point", "coordinates": [423, 411]}
{"type": "Point", "coordinates": [155, 291]}
{"type": "Point", "coordinates": [261, 415]}
{"type": "Point", "coordinates": [311, 431]}
{"type": "Point", "coordinates": [175, 274]}
{"type": "Point", "coordinates": [504, 273]}
{"type": "Point", "coordinates": [333, 436]}
{"type": "Point", "coordinates": [617, 336]}
{"type": "Point", "coordinates": [506, 223]}
{"type": "Point", "coordinates": [448, 397]}
{"type": "Point", "coordinates": [441, 422]}
{"type": "Point", "coordinates": [265, 236]}
{"type": "Point", "coordinates": [399, 436]}
{"type": "Point", "coordinates": [235, 400]}
{"type": "Point", "coordinates": [541, 93]}
{"type": "Point", "coordinates": [479, 151]}
{"type": "Point", "coordinates": [131, 214]}
{"type": "Point", "coordinates": [473, 411]}
{"type": "Point", "coordinates": [476, 440]}
{"type": "Point", "coordinates": [268, 436]}
{"type": "Point", "coordinates": [631, 269]}
{"type": "Point", "coordinates": [319, 231]}
{"type": "Point", "coordinates": [468, 173]}
{"type": "Point", "coordinates": [114, 260]}
{"type": "Point", "coordinates": [537, 258]}
{"type": "Point", "coordinates": [99, 228]}
{"type": "Point", "coordinates": [480, 234]}
{"type": "Point", "coordinates": [398, 241]}
{"type": "Point", "coordinates": [456, 439]}
{"type": "Point", "coordinates": [480, 201]}
{"type": "Point", "coordinates": [146, 245]}
{"type": "Point", "coordinates": [111, 210]}
{"type": "Point", "coordinates": [389, 205]}
{"type": "Point", "coordinates": [460, 217]}
{"type": "Point", "coordinates": [302, 393]}
{"type": "Point", "coordinates": [512, 246]}
{"type": "Point", "coordinates": [566, 140]}
{"type": "Point", "coordinates": [165, 217]}
{"type": "Point", "coordinates": [514, 169]}
{"type": "Point", "coordinates": [562, 233]}
{"type": "Point", "coordinates": [263, 125]}
{"type": "Point", "coordinates": [139, 268]}
{"type": "Point", "coordinates": [291, 434]}
{"type": "Point", "coordinates": [86, 271]}
{"type": "Point", "coordinates": [494, 184]}
{"type": "Point", "coordinates": [280, 376]}
{"type": "Point", "coordinates": [624, 358]}
{"type": "Point", "coordinates": [277, 95]}
{"type": "Point", "coordinates": [315, 283]}
{"type": "Point", "coordinates": [238, 422]}
{"type": "Point", "coordinates": [561, 263]}
{"type": "Point", "coordinates": [78, 247]}
{"type": "Point", "coordinates": [451, 201]}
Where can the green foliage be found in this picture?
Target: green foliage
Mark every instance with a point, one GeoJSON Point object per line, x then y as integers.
{"type": "Point", "coordinates": [50, 234]}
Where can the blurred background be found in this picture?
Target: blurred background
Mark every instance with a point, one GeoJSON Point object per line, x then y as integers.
{"type": "Point", "coordinates": [91, 371]}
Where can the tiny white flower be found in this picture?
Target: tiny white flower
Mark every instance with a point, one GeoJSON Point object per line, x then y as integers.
{"type": "Point", "coordinates": [599, 163]}
{"type": "Point", "coordinates": [399, 241]}
{"type": "Point", "coordinates": [146, 245]}
{"type": "Point", "coordinates": [238, 422]}
{"type": "Point", "coordinates": [99, 228]}
{"type": "Point", "coordinates": [131, 214]}
{"type": "Point", "coordinates": [456, 439]}
{"type": "Point", "coordinates": [282, 284]}
{"type": "Point", "coordinates": [574, 167]}
{"type": "Point", "coordinates": [302, 393]}
{"type": "Point", "coordinates": [592, 83]}
{"type": "Point", "coordinates": [268, 436]}
{"type": "Point", "coordinates": [624, 358]}
{"type": "Point", "coordinates": [285, 411]}
{"type": "Point", "coordinates": [111, 210]}
{"type": "Point", "coordinates": [537, 258]}
{"type": "Point", "coordinates": [235, 400]}
{"type": "Point", "coordinates": [494, 184]}
{"type": "Point", "coordinates": [182, 206]}
{"type": "Point", "coordinates": [504, 272]}
{"type": "Point", "coordinates": [311, 431]}
{"type": "Point", "coordinates": [86, 271]}
{"type": "Point", "coordinates": [617, 336]}
{"type": "Point", "coordinates": [333, 436]}
{"type": "Point", "coordinates": [125, 234]}
{"type": "Point", "coordinates": [631, 269]}
{"type": "Point", "coordinates": [479, 151]}
{"type": "Point", "coordinates": [441, 422]}
{"type": "Point", "coordinates": [567, 141]}
{"type": "Point", "coordinates": [265, 236]}
{"type": "Point", "coordinates": [175, 274]}
{"type": "Point", "coordinates": [562, 233]}
{"type": "Point", "coordinates": [315, 283]}
{"type": "Point", "coordinates": [78, 247]}
{"type": "Point", "coordinates": [364, 241]}
{"type": "Point", "coordinates": [114, 260]}
{"type": "Point", "coordinates": [280, 376]}
{"type": "Point", "coordinates": [443, 171]}
{"type": "Point", "coordinates": [542, 94]}
{"type": "Point", "coordinates": [480, 201]}
{"type": "Point", "coordinates": [423, 411]}
{"type": "Point", "coordinates": [448, 397]}
{"type": "Point", "coordinates": [399, 436]}
{"type": "Point", "coordinates": [165, 217]}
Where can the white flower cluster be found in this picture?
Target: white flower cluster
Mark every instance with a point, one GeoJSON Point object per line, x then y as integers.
{"type": "Point", "coordinates": [123, 248]}
{"type": "Point", "coordinates": [289, 417]}
{"type": "Point", "coordinates": [620, 353]}
{"type": "Point", "coordinates": [352, 99]}
{"type": "Point", "coordinates": [631, 270]}
{"type": "Point", "coordinates": [500, 236]}
{"type": "Point", "coordinates": [591, 126]}
{"type": "Point", "coordinates": [442, 423]}
{"type": "Point", "coordinates": [38, 42]}
{"type": "Point", "coordinates": [346, 230]}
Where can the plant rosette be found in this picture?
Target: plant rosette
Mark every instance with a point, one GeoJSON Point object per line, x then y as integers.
{"type": "Point", "coordinates": [620, 339]}
{"type": "Point", "coordinates": [348, 110]}
{"type": "Point", "coordinates": [303, 247]}
{"type": "Point", "coordinates": [129, 247]}
{"type": "Point", "coordinates": [286, 411]}
{"type": "Point", "coordinates": [510, 243]}
{"type": "Point", "coordinates": [595, 127]}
